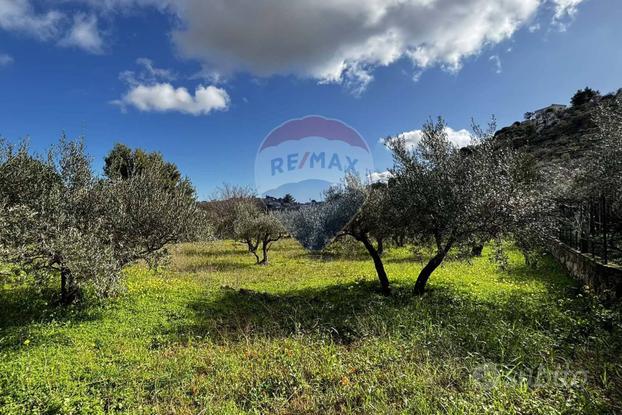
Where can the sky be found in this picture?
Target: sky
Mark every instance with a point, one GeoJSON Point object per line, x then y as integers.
{"type": "Point", "coordinates": [204, 81]}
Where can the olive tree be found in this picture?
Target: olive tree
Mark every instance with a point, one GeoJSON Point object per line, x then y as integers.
{"type": "Point", "coordinates": [350, 209]}
{"type": "Point", "coordinates": [457, 197]}
{"type": "Point", "coordinates": [315, 225]}
{"type": "Point", "coordinates": [373, 221]}
{"type": "Point", "coordinates": [51, 219]}
{"type": "Point", "coordinates": [257, 228]}
{"type": "Point", "coordinates": [146, 213]}
{"type": "Point", "coordinates": [57, 218]}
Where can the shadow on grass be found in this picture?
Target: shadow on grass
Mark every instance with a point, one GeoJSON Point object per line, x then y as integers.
{"type": "Point", "coordinates": [23, 308]}
{"type": "Point", "coordinates": [448, 322]}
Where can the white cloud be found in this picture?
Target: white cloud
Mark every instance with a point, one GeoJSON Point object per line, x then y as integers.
{"type": "Point", "coordinates": [380, 177]}
{"type": "Point", "coordinates": [20, 16]}
{"type": "Point", "coordinates": [565, 12]}
{"type": "Point", "coordinates": [565, 8]}
{"type": "Point", "coordinates": [84, 34]}
{"type": "Point", "coordinates": [460, 138]}
{"type": "Point", "coordinates": [337, 41]}
{"type": "Point", "coordinates": [149, 90]}
{"type": "Point", "coordinates": [163, 97]}
{"type": "Point", "coordinates": [5, 59]}
{"type": "Point", "coordinates": [147, 74]}
{"type": "Point", "coordinates": [496, 61]}
{"type": "Point", "coordinates": [342, 41]}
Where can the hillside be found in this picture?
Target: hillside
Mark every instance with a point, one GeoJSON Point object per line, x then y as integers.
{"type": "Point", "coordinates": [557, 134]}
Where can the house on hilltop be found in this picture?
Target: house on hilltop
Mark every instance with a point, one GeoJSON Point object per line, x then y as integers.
{"type": "Point", "coordinates": [546, 116]}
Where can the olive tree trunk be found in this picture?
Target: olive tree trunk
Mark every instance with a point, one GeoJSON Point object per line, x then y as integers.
{"type": "Point", "coordinates": [382, 275]}
{"type": "Point", "coordinates": [426, 272]}
{"type": "Point", "coordinates": [68, 288]}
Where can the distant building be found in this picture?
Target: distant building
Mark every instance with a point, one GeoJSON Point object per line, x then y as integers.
{"type": "Point", "coordinates": [547, 110]}
{"type": "Point", "coordinates": [545, 116]}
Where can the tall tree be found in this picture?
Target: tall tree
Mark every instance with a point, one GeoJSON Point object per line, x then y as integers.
{"type": "Point", "coordinates": [122, 163]}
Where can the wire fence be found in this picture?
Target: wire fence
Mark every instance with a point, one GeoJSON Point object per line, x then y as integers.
{"type": "Point", "coordinates": [592, 227]}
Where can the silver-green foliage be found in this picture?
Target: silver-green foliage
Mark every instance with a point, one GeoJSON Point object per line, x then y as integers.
{"type": "Point", "coordinates": [316, 225]}
{"type": "Point", "coordinates": [453, 197]}
{"type": "Point", "coordinates": [58, 218]}
{"type": "Point", "coordinates": [256, 228]}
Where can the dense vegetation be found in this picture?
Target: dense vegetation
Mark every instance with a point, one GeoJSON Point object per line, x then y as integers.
{"type": "Point", "coordinates": [215, 334]}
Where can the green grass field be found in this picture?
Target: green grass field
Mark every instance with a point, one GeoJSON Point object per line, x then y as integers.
{"type": "Point", "coordinates": [215, 334]}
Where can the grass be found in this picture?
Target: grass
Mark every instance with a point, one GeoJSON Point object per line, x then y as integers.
{"type": "Point", "coordinates": [215, 334]}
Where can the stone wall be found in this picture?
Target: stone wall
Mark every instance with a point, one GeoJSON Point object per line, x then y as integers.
{"type": "Point", "coordinates": [604, 279]}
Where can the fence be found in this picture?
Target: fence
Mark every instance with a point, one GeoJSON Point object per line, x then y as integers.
{"type": "Point", "coordinates": [591, 227]}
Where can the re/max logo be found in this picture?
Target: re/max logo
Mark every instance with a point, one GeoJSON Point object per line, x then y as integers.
{"type": "Point", "coordinates": [312, 160]}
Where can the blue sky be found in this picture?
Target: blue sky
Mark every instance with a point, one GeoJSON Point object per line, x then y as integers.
{"type": "Point", "coordinates": [102, 69]}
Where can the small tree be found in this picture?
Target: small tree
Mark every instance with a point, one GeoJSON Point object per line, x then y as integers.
{"type": "Point", "coordinates": [257, 228]}
{"type": "Point", "coordinates": [289, 199]}
{"type": "Point", "coordinates": [454, 197]}
{"type": "Point", "coordinates": [353, 209]}
{"type": "Point", "coordinates": [317, 224]}
{"type": "Point", "coordinates": [583, 96]}
{"type": "Point", "coordinates": [373, 221]}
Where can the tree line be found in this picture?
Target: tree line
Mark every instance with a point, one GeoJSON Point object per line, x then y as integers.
{"type": "Point", "coordinates": [442, 196]}
{"type": "Point", "coordinates": [60, 221]}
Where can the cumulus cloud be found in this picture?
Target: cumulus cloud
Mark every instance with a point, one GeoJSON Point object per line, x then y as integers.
{"type": "Point", "coordinates": [342, 41]}
{"type": "Point", "coordinates": [20, 16]}
{"type": "Point", "coordinates": [84, 34]}
{"type": "Point", "coordinates": [149, 91]}
{"type": "Point", "coordinates": [5, 59]}
{"type": "Point", "coordinates": [460, 138]}
{"type": "Point", "coordinates": [165, 98]}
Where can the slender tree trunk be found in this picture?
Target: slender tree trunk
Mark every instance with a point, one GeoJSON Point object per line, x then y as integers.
{"type": "Point", "coordinates": [264, 251]}
{"type": "Point", "coordinates": [68, 289]}
{"type": "Point", "coordinates": [382, 275]}
{"type": "Point", "coordinates": [380, 245]}
{"type": "Point", "coordinates": [427, 271]}
{"type": "Point", "coordinates": [252, 248]}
